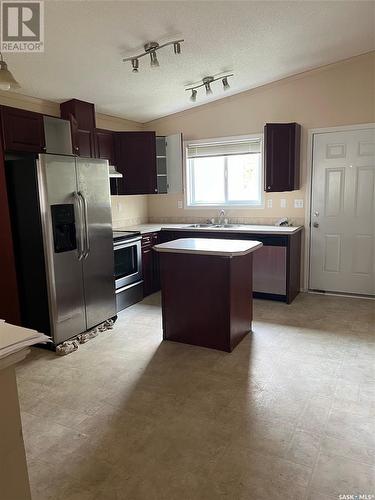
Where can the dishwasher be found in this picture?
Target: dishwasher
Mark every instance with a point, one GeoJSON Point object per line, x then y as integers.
{"type": "Point", "coordinates": [269, 270]}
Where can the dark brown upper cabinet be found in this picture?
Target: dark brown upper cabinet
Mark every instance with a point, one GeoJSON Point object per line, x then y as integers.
{"type": "Point", "coordinates": [22, 130]}
{"type": "Point", "coordinates": [282, 156]}
{"type": "Point", "coordinates": [105, 145]}
{"type": "Point", "coordinates": [135, 154]}
{"type": "Point", "coordinates": [82, 119]}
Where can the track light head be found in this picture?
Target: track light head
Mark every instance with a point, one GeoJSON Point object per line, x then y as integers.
{"type": "Point", "coordinates": [154, 59]}
{"type": "Point", "coordinates": [207, 83]}
{"type": "Point", "coordinates": [226, 85]}
{"type": "Point", "coordinates": [193, 96]}
{"type": "Point", "coordinates": [177, 47]}
{"type": "Point", "coordinates": [135, 65]}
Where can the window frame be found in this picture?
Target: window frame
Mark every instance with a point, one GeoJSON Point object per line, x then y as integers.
{"type": "Point", "coordinates": [233, 204]}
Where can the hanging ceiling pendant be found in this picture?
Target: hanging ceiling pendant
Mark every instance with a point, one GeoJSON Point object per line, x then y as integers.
{"type": "Point", "coordinates": [206, 83]}
{"type": "Point", "coordinates": [7, 80]}
{"type": "Point", "coordinates": [151, 48]}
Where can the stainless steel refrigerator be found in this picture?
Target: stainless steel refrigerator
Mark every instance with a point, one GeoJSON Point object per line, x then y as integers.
{"type": "Point", "coordinates": [62, 232]}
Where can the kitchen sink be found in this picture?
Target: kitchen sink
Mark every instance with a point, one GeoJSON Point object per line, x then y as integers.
{"type": "Point", "coordinates": [216, 226]}
{"type": "Point", "coordinates": [201, 225]}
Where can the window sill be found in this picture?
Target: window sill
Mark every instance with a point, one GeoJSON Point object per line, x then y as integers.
{"type": "Point", "coordinates": [226, 206]}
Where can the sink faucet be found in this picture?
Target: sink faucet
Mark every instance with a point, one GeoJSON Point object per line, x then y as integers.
{"type": "Point", "coordinates": [221, 218]}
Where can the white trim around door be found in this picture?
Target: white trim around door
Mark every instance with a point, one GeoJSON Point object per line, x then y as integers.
{"type": "Point", "coordinates": [310, 145]}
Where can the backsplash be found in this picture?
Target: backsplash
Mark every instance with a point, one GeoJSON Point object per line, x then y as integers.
{"type": "Point", "coordinates": [129, 210]}
{"type": "Point", "coordinates": [267, 221]}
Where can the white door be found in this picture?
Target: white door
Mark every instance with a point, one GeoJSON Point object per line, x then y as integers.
{"type": "Point", "coordinates": [342, 212]}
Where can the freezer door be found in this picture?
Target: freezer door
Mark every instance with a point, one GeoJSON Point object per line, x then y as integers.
{"type": "Point", "coordinates": [98, 260]}
{"type": "Point", "coordinates": [62, 239]}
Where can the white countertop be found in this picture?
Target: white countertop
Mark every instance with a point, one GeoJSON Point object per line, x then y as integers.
{"type": "Point", "coordinates": [240, 228]}
{"type": "Point", "coordinates": [205, 246]}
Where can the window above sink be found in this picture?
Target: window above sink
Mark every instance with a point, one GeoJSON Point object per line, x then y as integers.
{"type": "Point", "coordinates": [225, 172]}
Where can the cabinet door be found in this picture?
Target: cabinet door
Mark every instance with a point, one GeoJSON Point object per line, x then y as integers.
{"type": "Point", "coordinates": [22, 130]}
{"type": "Point", "coordinates": [282, 156]}
{"type": "Point", "coordinates": [136, 159]}
{"type": "Point", "coordinates": [174, 163]}
{"type": "Point", "coordinates": [104, 143]}
{"type": "Point", "coordinates": [82, 118]}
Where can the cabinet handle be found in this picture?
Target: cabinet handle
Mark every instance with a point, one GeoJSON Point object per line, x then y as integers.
{"type": "Point", "coordinates": [156, 190]}
{"type": "Point", "coordinates": [268, 187]}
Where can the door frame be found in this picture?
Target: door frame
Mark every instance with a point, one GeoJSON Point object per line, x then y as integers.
{"type": "Point", "coordinates": [308, 196]}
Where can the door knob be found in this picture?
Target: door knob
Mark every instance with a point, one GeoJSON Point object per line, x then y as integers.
{"type": "Point", "coordinates": [316, 224]}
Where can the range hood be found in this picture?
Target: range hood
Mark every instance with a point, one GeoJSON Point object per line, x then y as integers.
{"type": "Point", "coordinates": [113, 174]}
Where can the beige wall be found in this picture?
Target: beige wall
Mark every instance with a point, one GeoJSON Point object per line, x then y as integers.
{"type": "Point", "coordinates": [338, 94]}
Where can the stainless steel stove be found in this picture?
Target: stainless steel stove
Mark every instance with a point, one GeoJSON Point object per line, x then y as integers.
{"type": "Point", "coordinates": [128, 268]}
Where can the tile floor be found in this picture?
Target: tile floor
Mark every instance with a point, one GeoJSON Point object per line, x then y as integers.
{"type": "Point", "coordinates": [288, 415]}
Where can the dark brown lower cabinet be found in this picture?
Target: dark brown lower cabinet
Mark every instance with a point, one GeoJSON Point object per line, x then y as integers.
{"type": "Point", "coordinates": [150, 264]}
{"type": "Point", "coordinates": [206, 299]}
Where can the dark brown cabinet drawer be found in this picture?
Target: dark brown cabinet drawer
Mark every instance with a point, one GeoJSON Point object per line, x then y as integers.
{"type": "Point", "coordinates": [282, 156]}
{"type": "Point", "coordinates": [22, 130]}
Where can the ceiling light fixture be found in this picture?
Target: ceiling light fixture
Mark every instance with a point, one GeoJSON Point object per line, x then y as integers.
{"type": "Point", "coordinates": [7, 80]}
{"type": "Point", "coordinates": [151, 48]}
{"type": "Point", "coordinates": [206, 82]}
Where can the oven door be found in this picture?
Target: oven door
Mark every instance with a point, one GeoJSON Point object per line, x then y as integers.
{"type": "Point", "coordinates": [128, 262]}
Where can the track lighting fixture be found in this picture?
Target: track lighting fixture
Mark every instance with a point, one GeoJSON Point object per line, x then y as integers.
{"type": "Point", "coordinates": [7, 80]}
{"type": "Point", "coordinates": [151, 48]}
{"type": "Point", "coordinates": [206, 83]}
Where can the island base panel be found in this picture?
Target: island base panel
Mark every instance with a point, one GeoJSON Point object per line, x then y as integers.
{"type": "Point", "coordinates": [206, 300]}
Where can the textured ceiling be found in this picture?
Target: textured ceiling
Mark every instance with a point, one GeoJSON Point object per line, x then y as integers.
{"type": "Point", "coordinates": [259, 41]}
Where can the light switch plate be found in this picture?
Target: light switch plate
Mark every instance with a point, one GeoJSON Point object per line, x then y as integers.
{"type": "Point", "coordinates": [179, 204]}
{"type": "Point", "coordinates": [283, 203]}
{"type": "Point", "coordinates": [269, 203]}
{"type": "Point", "coordinates": [298, 203]}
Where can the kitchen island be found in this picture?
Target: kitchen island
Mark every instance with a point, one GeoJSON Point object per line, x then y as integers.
{"type": "Point", "coordinates": [206, 295]}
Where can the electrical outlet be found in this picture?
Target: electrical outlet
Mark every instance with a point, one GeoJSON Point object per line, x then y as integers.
{"type": "Point", "coordinates": [269, 203]}
{"type": "Point", "coordinates": [298, 203]}
{"type": "Point", "coordinates": [179, 204]}
{"type": "Point", "coordinates": [283, 203]}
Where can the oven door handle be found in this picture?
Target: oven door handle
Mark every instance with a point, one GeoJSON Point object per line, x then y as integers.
{"type": "Point", "coordinates": [78, 201]}
{"type": "Point", "coordinates": [126, 243]}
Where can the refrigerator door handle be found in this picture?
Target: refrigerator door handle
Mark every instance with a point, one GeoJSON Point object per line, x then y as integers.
{"type": "Point", "coordinates": [78, 200]}
{"type": "Point", "coordinates": [87, 238]}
